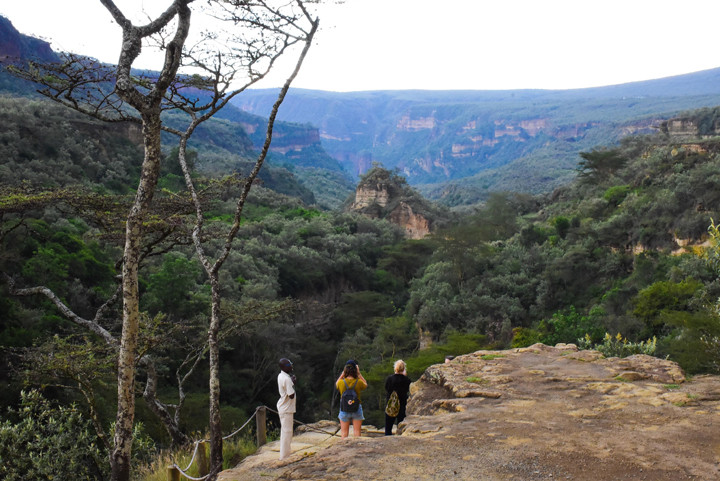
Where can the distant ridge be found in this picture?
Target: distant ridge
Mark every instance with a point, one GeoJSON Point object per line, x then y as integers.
{"type": "Point", "coordinates": [704, 82]}
{"type": "Point", "coordinates": [472, 142]}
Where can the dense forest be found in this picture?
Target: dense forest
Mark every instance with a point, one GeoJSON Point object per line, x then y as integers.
{"type": "Point", "coordinates": [618, 251]}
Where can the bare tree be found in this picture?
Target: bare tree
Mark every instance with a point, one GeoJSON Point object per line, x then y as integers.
{"type": "Point", "coordinates": [262, 31]}
{"type": "Point", "coordinates": [292, 26]}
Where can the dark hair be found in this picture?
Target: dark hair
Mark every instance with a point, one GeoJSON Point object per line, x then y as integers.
{"type": "Point", "coordinates": [350, 370]}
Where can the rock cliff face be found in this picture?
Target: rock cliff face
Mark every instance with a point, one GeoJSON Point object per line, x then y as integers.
{"type": "Point", "coordinates": [537, 413]}
{"type": "Point", "coordinates": [286, 137]}
{"type": "Point", "coordinates": [416, 226]}
{"type": "Point", "coordinates": [408, 124]}
{"type": "Point", "coordinates": [368, 194]}
{"type": "Point", "coordinates": [703, 123]}
{"type": "Point", "coordinates": [682, 128]}
{"type": "Point", "coordinates": [381, 195]}
{"type": "Point", "coordinates": [15, 46]}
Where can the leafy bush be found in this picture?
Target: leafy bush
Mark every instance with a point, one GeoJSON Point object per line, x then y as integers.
{"type": "Point", "coordinates": [618, 346]}
{"type": "Point", "coordinates": [49, 442]}
{"type": "Point", "coordinates": [524, 337]}
{"type": "Point", "coordinates": [614, 195]}
{"type": "Point", "coordinates": [562, 225]}
{"type": "Point", "coordinates": [568, 326]}
{"type": "Point", "coordinates": [658, 304]}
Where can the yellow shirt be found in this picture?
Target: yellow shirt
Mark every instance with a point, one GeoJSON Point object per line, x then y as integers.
{"type": "Point", "coordinates": [361, 385]}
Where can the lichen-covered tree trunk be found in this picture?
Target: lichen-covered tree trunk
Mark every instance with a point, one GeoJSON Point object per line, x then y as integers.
{"type": "Point", "coordinates": [216, 457]}
{"type": "Point", "coordinates": [120, 457]}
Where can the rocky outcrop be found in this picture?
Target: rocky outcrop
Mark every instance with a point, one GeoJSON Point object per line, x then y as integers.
{"type": "Point", "coordinates": [384, 195]}
{"type": "Point", "coordinates": [368, 194]}
{"type": "Point", "coordinates": [534, 126]}
{"type": "Point", "coordinates": [537, 413]}
{"type": "Point", "coordinates": [686, 128]}
{"type": "Point", "coordinates": [371, 201]}
{"type": "Point", "coordinates": [416, 226]}
{"type": "Point", "coordinates": [408, 124]}
{"type": "Point", "coordinates": [642, 127]}
{"type": "Point", "coordinates": [297, 139]}
{"type": "Point", "coordinates": [286, 137]}
{"type": "Point", "coordinates": [703, 123]}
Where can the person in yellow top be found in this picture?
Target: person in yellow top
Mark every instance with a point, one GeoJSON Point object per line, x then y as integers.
{"type": "Point", "coordinates": [351, 378]}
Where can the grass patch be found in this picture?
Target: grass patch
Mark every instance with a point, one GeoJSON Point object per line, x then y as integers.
{"type": "Point", "coordinates": [476, 380]}
{"type": "Point", "coordinates": [622, 379]}
{"type": "Point", "coordinates": [490, 357]}
{"type": "Point", "coordinates": [234, 451]}
{"type": "Point", "coordinates": [671, 386]}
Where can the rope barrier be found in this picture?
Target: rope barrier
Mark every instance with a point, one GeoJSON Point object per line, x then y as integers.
{"type": "Point", "coordinates": [254, 414]}
{"type": "Point", "coordinates": [188, 476]}
{"type": "Point", "coordinates": [246, 423]}
{"type": "Point", "coordinates": [197, 445]}
{"type": "Point", "coordinates": [306, 425]}
{"type": "Point", "coordinates": [184, 471]}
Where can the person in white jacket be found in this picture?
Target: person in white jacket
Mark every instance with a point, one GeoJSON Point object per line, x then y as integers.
{"type": "Point", "coordinates": [286, 405]}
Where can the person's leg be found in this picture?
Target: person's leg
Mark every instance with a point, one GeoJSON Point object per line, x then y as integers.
{"type": "Point", "coordinates": [344, 428]}
{"type": "Point", "coordinates": [389, 421]}
{"type": "Point", "coordinates": [357, 426]}
{"type": "Point", "coordinates": [286, 432]}
{"type": "Point", "coordinates": [401, 415]}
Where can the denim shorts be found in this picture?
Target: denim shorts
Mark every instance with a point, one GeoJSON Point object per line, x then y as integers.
{"type": "Point", "coordinates": [349, 417]}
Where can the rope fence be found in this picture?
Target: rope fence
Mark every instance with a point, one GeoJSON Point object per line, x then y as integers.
{"type": "Point", "coordinates": [174, 472]}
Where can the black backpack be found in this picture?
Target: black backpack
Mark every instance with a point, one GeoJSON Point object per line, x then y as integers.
{"type": "Point", "coordinates": [349, 401]}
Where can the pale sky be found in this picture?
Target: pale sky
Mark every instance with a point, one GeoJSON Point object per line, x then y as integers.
{"type": "Point", "coordinates": [449, 44]}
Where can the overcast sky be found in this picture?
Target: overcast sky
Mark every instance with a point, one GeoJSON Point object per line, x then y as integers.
{"type": "Point", "coordinates": [450, 44]}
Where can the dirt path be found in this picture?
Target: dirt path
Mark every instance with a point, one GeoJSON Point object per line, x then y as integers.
{"type": "Point", "coordinates": [530, 414]}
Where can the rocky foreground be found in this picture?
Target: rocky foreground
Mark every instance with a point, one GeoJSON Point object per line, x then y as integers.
{"type": "Point", "coordinates": [527, 414]}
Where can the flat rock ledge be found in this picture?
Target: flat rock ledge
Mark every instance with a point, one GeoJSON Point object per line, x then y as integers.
{"type": "Point", "coordinates": [537, 413]}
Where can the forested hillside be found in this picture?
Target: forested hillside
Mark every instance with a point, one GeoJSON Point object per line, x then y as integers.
{"type": "Point", "coordinates": [225, 142]}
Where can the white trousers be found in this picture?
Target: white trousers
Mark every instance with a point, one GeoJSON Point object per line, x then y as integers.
{"type": "Point", "coordinates": [286, 432]}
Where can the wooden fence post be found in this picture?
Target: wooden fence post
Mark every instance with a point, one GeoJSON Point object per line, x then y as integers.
{"type": "Point", "coordinates": [202, 460]}
{"type": "Point", "coordinates": [260, 421]}
{"type": "Point", "coordinates": [173, 474]}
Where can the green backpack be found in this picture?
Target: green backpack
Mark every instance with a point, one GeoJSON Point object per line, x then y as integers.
{"type": "Point", "coordinates": [393, 405]}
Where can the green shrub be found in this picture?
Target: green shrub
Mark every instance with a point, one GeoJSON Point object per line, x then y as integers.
{"type": "Point", "coordinates": [562, 225]}
{"type": "Point", "coordinates": [524, 337]}
{"type": "Point", "coordinates": [616, 194]}
{"type": "Point", "coordinates": [619, 346]}
{"type": "Point", "coordinates": [567, 326]}
{"type": "Point", "coordinates": [50, 442]}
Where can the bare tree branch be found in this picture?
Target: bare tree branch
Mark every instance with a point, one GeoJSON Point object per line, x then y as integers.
{"type": "Point", "coordinates": [64, 309]}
